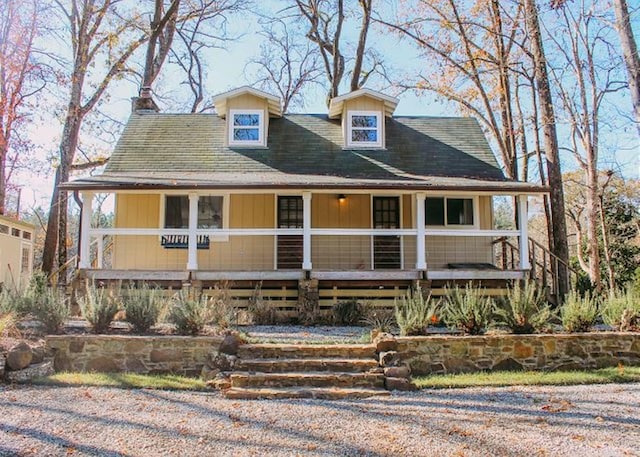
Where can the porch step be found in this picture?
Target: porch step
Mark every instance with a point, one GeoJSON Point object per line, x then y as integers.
{"type": "Point", "coordinates": [294, 365]}
{"type": "Point", "coordinates": [314, 379]}
{"type": "Point", "coordinates": [309, 351]}
{"type": "Point", "coordinates": [327, 393]}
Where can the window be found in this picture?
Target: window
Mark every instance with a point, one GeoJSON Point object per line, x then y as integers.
{"type": "Point", "coordinates": [26, 235]}
{"type": "Point", "coordinates": [4, 229]}
{"type": "Point", "coordinates": [290, 212]}
{"type": "Point", "coordinates": [458, 211]}
{"type": "Point", "coordinates": [24, 266]}
{"type": "Point", "coordinates": [246, 128]}
{"type": "Point", "coordinates": [363, 129]}
{"type": "Point", "coordinates": [15, 232]}
{"type": "Point", "coordinates": [176, 213]}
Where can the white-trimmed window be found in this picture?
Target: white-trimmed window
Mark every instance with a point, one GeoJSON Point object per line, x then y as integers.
{"type": "Point", "coordinates": [210, 211]}
{"type": "Point", "coordinates": [449, 212]}
{"type": "Point", "coordinates": [246, 127]}
{"type": "Point", "coordinates": [364, 129]}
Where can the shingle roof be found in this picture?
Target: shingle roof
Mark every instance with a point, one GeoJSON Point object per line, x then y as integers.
{"type": "Point", "coordinates": [302, 150]}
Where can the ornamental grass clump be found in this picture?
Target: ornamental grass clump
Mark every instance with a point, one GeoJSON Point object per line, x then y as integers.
{"type": "Point", "coordinates": [621, 310]}
{"type": "Point", "coordinates": [524, 309]}
{"type": "Point", "coordinates": [380, 320]}
{"type": "Point", "coordinates": [46, 304]}
{"type": "Point", "coordinates": [578, 313]}
{"type": "Point", "coordinates": [99, 305]}
{"type": "Point", "coordinates": [142, 306]}
{"type": "Point", "coordinates": [190, 314]}
{"type": "Point", "coordinates": [468, 310]}
{"type": "Point", "coordinates": [348, 312]}
{"type": "Point", "coordinates": [415, 312]}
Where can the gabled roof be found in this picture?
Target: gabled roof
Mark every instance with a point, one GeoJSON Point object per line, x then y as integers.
{"type": "Point", "coordinates": [336, 103]}
{"type": "Point", "coordinates": [303, 151]}
{"type": "Point", "coordinates": [274, 103]}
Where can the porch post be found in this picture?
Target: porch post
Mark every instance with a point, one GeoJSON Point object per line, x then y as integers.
{"type": "Point", "coordinates": [306, 231]}
{"type": "Point", "coordinates": [523, 239]}
{"type": "Point", "coordinates": [192, 256]}
{"type": "Point", "coordinates": [85, 240]}
{"type": "Point", "coordinates": [421, 257]}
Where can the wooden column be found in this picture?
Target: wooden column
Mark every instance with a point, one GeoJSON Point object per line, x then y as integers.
{"type": "Point", "coordinates": [306, 231]}
{"type": "Point", "coordinates": [85, 238]}
{"type": "Point", "coordinates": [523, 239]}
{"type": "Point", "coordinates": [192, 257]}
{"type": "Point", "coordinates": [421, 256]}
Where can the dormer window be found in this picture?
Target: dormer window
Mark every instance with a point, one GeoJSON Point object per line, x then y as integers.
{"type": "Point", "coordinates": [363, 129]}
{"type": "Point", "coordinates": [246, 127]}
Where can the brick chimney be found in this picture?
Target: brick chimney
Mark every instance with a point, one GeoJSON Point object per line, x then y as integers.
{"type": "Point", "coordinates": [144, 102]}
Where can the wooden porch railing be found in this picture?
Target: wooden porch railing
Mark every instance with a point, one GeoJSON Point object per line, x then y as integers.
{"type": "Point", "coordinates": [545, 265]}
{"type": "Point", "coordinates": [66, 272]}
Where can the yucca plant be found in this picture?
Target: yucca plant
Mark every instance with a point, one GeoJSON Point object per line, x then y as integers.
{"type": "Point", "coordinates": [414, 312]}
{"type": "Point", "coordinates": [524, 309]}
{"type": "Point", "coordinates": [380, 320]}
{"type": "Point", "coordinates": [190, 314]}
{"type": "Point", "coordinates": [468, 310]}
{"type": "Point", "coordinates": [621, 310]}
{"type": "Point", "coordinates": [579, 314]}
{"type": "Point", "coordinates": [99, 305]}
{"type": "Point", "coordinates": [142, 306]}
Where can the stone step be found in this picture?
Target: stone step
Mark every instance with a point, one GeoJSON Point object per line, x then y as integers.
{"type": "Point", "coordinates": [298, 351]}
{"type": "Point", "coordinates": [327, 393]}
{"type": "Point", "coordinates": [324, 379]}
{"type": "Point", "coordinates": [298, 365]}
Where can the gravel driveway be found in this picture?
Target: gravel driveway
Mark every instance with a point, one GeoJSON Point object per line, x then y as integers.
{"type": "Point", "coordinates": [573, 421]}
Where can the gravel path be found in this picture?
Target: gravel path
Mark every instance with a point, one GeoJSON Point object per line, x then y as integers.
{"type": "Point", "coordinates": [572, 421]}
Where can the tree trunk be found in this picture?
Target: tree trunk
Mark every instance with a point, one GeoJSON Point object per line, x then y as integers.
{"type": "Point", "coordinates": [3, 184]}
{"type": "Point", "coordinates": [630, 53]}
{"type": "Point", "coordinates": [554, 172]}
{"type": "Point", "coordinates": [592, 224]}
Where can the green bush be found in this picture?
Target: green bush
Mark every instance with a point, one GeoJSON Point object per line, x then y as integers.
{"type": "Point", "coordinates": [348, 312]}
{"type": "Point", "coordinates": [621, 310]}
{"type": "Point", "coordinates": [524, 309]}
{"type": "Point", "coordinates": [468, 310]}
{"type": "Point", "coordinates": [99, 306]}
{"type": "Point", "coordinates": [415, 313]}
{"type": "Point", "coordinates": [51, 308]}
{"type": "Point", "coordinates": [578, 314]}
{"type": "Point", "coordinates": [190, 314]}
{"type": "Point", "coordinates": [142, 306]}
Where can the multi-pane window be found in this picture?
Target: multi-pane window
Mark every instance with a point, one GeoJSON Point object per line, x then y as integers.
{"type": "Point", "coordinates": [24, 265]}
{"type": "Point", "coordinates": [445, 211]}
{"type": "Point", "coordinates": [26, 235]}
{"type": "Point", "coordinates": [15, 232]}
{"type": "Point", "coordinates": [290, 212]}
{"type": "Point", "coordinates": [364, 129]}
{"type": "Point", "coordinates": [176, 213]}
{"type": "Point", "coordinates": [246, 127]}
{"type": "Point", "coordinates": [4, 229]}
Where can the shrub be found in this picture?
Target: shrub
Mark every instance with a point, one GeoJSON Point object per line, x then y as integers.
{"type": "Point", "coordinates": [380, 320]}
{"type": "Point", "coordinates": [9, 302]}
{"type": "Point", "coordinates": [142, 306]}
{"type": "Point", "coordinates": [348, 312]}
{"type": "Point", "coordinates": [621, 310]}
{"type": "Point", "coordinates": [190, 314]}
{"type": "Point", "coordinates": [414, 313]}
{"type": "Point", "coordinates": [99, 306]}
{"type": "Point", "coordinates": [578, 314]}
{"type": "Point", "coordinates": [51, 308]}
{"type": "Point", "coordinates": [468, 310]}
{"type": "Point", "coordinates": [223, 311]}
{"type": "Point", "coordinates": [524, 309]}
{"type": "Point", "coordinates": [262, 313]}
{"type": "Point", "coordinates": [9, 325]}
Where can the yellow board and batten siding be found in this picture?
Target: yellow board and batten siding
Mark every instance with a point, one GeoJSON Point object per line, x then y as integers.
{"type": "Point", "coordinates": [16, 252]}
{"type": "Point", "coordinates": [329, 252]}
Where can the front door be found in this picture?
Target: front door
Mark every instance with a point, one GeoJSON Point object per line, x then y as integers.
{"type": "Point", "coordinates": [290, 246]}
{"type": "Point", "coordinates": [386, 249]}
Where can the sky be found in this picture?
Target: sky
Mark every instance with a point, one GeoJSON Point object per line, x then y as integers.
{"type": "Point", "coordinates": [227, 69]}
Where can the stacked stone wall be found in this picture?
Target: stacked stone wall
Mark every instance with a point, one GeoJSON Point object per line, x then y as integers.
{"type": "Point", "coordinates": [455, 354]}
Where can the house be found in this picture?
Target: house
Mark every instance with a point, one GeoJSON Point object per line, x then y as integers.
{"type": "Point", "coordinates": [354, 198]}
{"type": "Point", "coordinates": [16, 252]}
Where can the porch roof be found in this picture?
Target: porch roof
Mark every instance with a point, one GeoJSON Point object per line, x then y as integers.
{"type": "Point", "coordinates": [304, 151]}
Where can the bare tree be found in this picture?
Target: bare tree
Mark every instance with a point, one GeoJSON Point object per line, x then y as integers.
{"type": "Point", "coordinates": [97, 31]}
{"type": "Point", "coordinates": [559, 243]}
{"type": "Point", "coordinates": [325, 20]}
{"type": "Point", "coordinates": [286, 65]}
{"type": "Point", "coordinates": [630, 53]}
{"type": "Point", "coordinates": [584, 71]}
{"type": "Point", "coordinates": [22, 78]}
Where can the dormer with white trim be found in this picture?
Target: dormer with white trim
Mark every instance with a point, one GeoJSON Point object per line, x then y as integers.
{"type": "Point", "coordinates": [247, 111]}
{"type": "Point", "coordinates": [363, 115]}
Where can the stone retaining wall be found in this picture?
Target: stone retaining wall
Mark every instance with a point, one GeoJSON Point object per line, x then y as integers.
{"type": "Point", "coordinates": [455, 354]}
{"type": "Point", "coordinates": [184, 355]}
